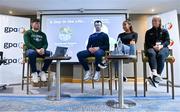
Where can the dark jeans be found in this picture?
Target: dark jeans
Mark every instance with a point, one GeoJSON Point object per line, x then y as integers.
{"type": "Point", "coordinates": [157, 58]}
{"type": "Point", "coordinates": [32, 55]}
{"type": "Point", "coordinates": [82, 55]}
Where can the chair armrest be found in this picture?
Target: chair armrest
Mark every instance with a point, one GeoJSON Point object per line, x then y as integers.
{"type": "Point", "coordinates": [107, 53]}
{"type": "Point", "coordinates": [143, 55]}
{"type": "Point", "coordinates": [170, 52]}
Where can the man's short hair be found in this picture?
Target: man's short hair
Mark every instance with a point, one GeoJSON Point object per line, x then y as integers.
{"type": "Point", "coordinates": [98, 21]}
{"type": "Point", "coordinates": [35, 20]}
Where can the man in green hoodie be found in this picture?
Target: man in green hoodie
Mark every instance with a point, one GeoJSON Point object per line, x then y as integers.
{"type": "Point", "coordinates": [36, 43]}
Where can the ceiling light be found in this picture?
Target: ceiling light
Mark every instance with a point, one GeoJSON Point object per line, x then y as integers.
{"type": "Point", "coordinates": [152, 10]}
{"type": "Point", "coordinates": [10, 12]}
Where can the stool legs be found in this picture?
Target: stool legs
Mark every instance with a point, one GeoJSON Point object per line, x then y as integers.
{"type": "Point", "coordinates": [135, 78]}
{"type": "Point", "coordinates": [82, 81]}
{"type": "Point", "coordinates": [110, 75]}
{"type": "Point", "coordinates": [102, 76]}
{"type": "Point", "coordinates": [167, 76]}
{"type": "Point", "coordinates": [93, 71]}
{"type": "Point", "coordinates": [145, 77]}
{"type": "Point", "coordinates": [28, 78]}
{"type": "Point", "coordinates": [23, 70]}
{"type": "Point", "coordinates": [172, 79]}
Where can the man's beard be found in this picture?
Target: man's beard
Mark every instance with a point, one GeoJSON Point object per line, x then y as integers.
{"type": "Point", "coordinates": [36, 29]}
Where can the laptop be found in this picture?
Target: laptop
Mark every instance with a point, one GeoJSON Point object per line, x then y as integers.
{"type": "Point", "coordinates": [60, 52]}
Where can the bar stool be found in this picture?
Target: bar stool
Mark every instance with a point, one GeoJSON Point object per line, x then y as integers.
{"type": "Point", "coordinates": [91, 61]}
{"type": "Point", "coordinates": [28, 75]}
{"type": "Point", "coordinates": [169, 60]}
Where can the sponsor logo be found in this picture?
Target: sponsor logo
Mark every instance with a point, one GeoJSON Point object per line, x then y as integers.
{"type": "Point", "coordinates": [15, 30]}
{"type": "Point", "coordinates": [168, 26]}
{"type": "Point", "coordinates": [12, 45]}
{"type": "Point", "coordinates": [12, 61]}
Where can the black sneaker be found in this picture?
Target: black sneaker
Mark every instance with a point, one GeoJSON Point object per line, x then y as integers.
{"type": "Point", "coordinates": [103, 65]}
{"type": "Point", "coordinates": [152, 82]}
{"type": "Point", "coordinates": [125, 79]}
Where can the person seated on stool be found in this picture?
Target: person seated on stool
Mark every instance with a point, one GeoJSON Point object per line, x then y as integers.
{"type": "Point", "coordinates": [36, 43]}
{"type": "Point", "coordinates": [128, 39]}
{"type": "Point", "coordinates": [98, 43]}
{"type": "Point", "coordinates": [156, 44]}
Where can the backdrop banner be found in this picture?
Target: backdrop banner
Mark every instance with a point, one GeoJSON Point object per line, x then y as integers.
{"type": "Point", "coordinates": [11, 41]}
{"type": "Point", "coordinates": [170, 22]}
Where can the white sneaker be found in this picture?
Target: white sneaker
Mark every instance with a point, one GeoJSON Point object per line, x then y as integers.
{"type": "Point", "coordinates": [42, 74]}
{"type": "Point", "coordinates": [157, 78]}
{"type": "Point", "coordinates": [87, 75]}
{"type": "Point", "coordinates": [35, 77]}
{"type": "Point", "coordinates": [97, 76]}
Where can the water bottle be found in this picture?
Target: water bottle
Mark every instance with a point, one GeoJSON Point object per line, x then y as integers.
{"type": "Point", "coordinates": [119, 47]}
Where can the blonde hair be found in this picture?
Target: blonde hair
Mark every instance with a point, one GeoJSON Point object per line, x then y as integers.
{"type": "Point", "coordinates": [157, 18]}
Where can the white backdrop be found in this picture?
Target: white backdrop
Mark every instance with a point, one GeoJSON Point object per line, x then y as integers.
{"type": "Point", "coordinates": [11, 39]}
{"type": "Point", "coordinates": [170, 22]}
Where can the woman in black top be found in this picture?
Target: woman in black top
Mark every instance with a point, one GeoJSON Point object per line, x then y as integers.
{"type": "Point", "coordinates": [128, 39]}
{"type": "Point", "coordinates": [125, 43]}
{"type": "Point", "coordinates": [156, 47]}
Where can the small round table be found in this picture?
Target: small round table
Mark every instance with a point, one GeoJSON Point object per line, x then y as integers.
{"type": "Point", "coordinates": [58, 76]}
{"type": "Point", "coordinates": [121, 103]}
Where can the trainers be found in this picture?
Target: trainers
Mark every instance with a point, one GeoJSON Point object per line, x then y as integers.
{"type": "Point", "coordinates": [97, 76]}
{"type": "Point", "coordinates": [35, 77]}
{"type": "Point", "coordinates": [103, 65]}
{"type": "Point", "coordinates": [157, 78]}
{"type": "Point", "coordinates": [42, 74]}
{"type": "Point", "coordinates": [152, 82]}
{"type": "Point", "coordinates": [87, 75]}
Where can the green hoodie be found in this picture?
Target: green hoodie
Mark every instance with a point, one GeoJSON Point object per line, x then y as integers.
{"type": "Point", "coordinates": [35, 40]}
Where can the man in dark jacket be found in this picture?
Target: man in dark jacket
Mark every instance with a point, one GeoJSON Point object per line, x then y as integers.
{"type": "Point", "coordinates": [156, 46]}
{"type": "Point", "coordinates": [97, 45]}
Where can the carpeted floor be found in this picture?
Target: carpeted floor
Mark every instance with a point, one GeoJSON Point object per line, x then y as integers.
{"type": "Point", "coordinates": [157, 100]}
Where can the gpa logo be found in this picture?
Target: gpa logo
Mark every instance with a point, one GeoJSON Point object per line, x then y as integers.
{"type": "Point", "coordinates": [12, 45]}
{"type": "Point", "coordinates": [16, 30]}
{"type": "Point", "coordinates": [12, 61]}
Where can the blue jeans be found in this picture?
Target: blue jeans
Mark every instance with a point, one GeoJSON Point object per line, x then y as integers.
{"type": "Point", "coordinates": [82, 55]}
{"type": "Point", "coordinates": [157, 58]}
{"type": "Point", "coordinates": [129, 49]}
{"type": "Point", "coordinates": [32, 55]}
